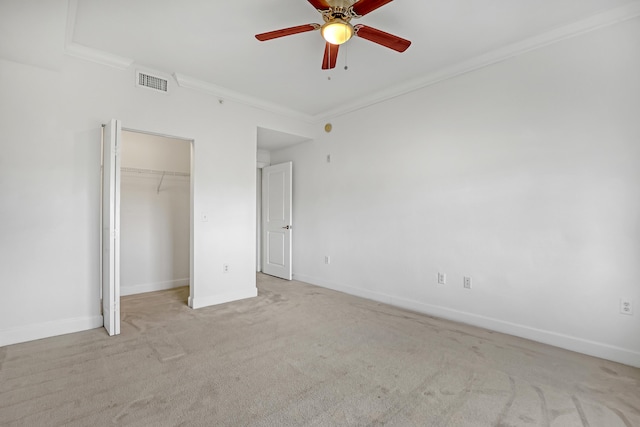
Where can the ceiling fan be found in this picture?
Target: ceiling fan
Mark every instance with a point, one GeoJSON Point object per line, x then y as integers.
{"type": "Point", "coordinates": [337, 28]}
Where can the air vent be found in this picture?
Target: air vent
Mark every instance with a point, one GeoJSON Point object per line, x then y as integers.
{"type": "Point", "coordinates": [152, 82]}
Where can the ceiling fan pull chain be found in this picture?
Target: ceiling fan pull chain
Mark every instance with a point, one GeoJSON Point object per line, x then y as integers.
{"type": "Point", "coordinates": [346, 58]}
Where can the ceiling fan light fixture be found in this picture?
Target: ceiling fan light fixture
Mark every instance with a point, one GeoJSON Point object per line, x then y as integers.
{"type": "Point", "coordinates": [337, 31]}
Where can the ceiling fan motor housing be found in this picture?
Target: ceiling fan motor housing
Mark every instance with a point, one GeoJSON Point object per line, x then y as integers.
{"type": "Point", "coordinates": [340, 9]}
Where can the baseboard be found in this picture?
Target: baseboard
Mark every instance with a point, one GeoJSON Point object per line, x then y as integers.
{"type": "Point", "coordinates": [206, 301]}
{"type": "Point", "coordinates": [48, 329]}
{"type": "Point", "coordinates": [152, 287]}
{"type": "Point", "coordinates": [568, 342]}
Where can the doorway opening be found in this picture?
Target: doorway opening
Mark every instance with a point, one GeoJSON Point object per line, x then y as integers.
{"type": "Point", "coordinates": [274, 202]}
{"type": "Point", "coordinates": [145, 168]}
{"type": "Point", "coordinates": [155, 214]}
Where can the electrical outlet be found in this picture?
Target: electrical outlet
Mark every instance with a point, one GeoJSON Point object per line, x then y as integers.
{"type": "Point", "coordinates": [327, 259]}
{"type": "Point", "coordinates": [626, 306]}
{"type": "Point", "coordinates": [442, 278]}
{"type": "Point", "coordinates": [225, 268]}
{"type": "Point", "coordinates": [466, 282]}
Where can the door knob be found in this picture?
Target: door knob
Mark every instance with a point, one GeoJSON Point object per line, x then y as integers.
{"type": "Point", "coordinates": [288, 227]}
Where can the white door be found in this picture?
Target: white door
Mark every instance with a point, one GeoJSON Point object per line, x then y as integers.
{"type": "Point", "coordinates": [276, 220]}
{"type": "Point", "coordinates": [111, 227]}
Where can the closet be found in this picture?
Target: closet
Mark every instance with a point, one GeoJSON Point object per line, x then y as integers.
{"type": "Point", "coordinates": [154, 215]}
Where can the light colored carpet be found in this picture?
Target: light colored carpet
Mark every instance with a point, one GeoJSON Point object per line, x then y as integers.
{"type": "Point", "coordinates": [302, 355]}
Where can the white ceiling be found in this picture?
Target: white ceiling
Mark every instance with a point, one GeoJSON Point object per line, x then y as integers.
{"type": "Point", "coordinates": [213, 42]}
{"type": "Point", "coordinates": [210, 44]}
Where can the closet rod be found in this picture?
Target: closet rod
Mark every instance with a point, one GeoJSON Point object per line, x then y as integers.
{"type": "Point", "coordinates": [154, 172]}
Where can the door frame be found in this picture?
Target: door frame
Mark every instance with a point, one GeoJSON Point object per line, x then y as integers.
{"type": "Point", "coordinates": [259, 167]}
{"type": "Point", "coordinates": [192, 141]}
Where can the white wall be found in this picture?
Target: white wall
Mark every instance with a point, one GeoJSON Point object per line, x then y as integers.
{"type": "Point", "coordinates": [51, 109]}
{"type": "Point", "coordinates": [154, 248]}
{"type": "Point", "coordinates": [524, 175]}
{"type": "Point", "coordinates": [263, 158]}
{"type": "Point", "coordinates": [147, 151]}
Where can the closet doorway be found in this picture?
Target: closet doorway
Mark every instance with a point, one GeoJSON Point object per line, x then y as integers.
{"type": "Point", "coordinates": [155, 217]}
{"type": "Point", "coordinates": [152, 157]}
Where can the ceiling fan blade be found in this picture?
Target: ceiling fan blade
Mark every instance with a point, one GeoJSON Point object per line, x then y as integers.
{"type": "Point", "coordinates": [365, 6]}
{"type": "Point", "coordinates": [330, 56]}
{"type": "Point", "coordinates": [320, 4]}
{"type": "Point", "coordinates": [287, 32]}
{"type": "Point", "coordinates": [380, 37]}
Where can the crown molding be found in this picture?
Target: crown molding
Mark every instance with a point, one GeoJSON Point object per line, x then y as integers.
{"type": "Point", "coordinates": [595, 22]}
{"type": "Point", "coordinates": [188, 82]}
{"type": "Point", "coordinates": [601, 20]}
{"type": "Point", "coordinates": [76, 50]}
{"type": "Point", "coordinates": [98, 56]}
